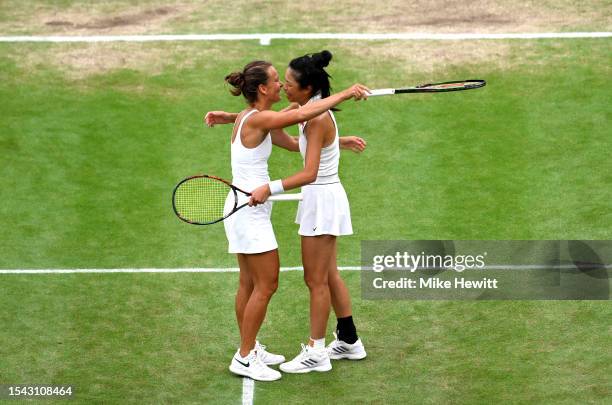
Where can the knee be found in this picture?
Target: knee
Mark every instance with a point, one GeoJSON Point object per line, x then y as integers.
{"type": "Point", "coordinates": [334, 278]}
{"type": "Point", "coordinates": [245, 285]}
{"type": "Point", "coordinates": [266, 290]}
{"type": "Point", "coordinates": [273, 286]}
{"type": "Point", "coordinates": [315, 282]}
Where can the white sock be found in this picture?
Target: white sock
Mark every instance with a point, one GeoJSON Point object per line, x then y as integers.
{"type": "Point", "coordinates": [318, 343]}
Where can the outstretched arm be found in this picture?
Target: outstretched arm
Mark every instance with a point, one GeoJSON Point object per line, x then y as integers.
{"type": "Point", "coordinates": [281, 138]}
{"type": "Point", "coordinates": [213, 118]}
{"type": "Point", "coordinates": [268, 120]}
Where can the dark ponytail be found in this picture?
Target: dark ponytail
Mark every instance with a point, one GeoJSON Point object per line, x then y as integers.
{"type": "Point", "coordinates": [310, 71]}
{"type": "Point", "coordinates": [247, 82]}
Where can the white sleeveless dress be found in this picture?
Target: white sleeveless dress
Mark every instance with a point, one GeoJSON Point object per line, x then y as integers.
{"type": "Point", "coordinates": [324, 209]}
{"type": "Point", "coordinates": [249, 230]}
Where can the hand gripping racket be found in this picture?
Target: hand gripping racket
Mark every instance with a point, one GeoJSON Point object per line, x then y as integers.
{"type": "Point", "coordinates": [200, 200]}
{"type": "Point", "coordinates": [432, 88]}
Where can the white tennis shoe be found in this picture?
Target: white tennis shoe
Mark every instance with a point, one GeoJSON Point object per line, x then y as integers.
{"type": "Point", "coordinates": [310, 359]}
{"type": "Point", "coordinates": [253, 367]}
{"type": "Point", "coordinates": [269, 359]}
{"type": "Point", "coordinates": [339, 349]}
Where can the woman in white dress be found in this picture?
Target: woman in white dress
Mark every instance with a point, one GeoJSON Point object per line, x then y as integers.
{"type": "Point", "coordinates": [249, 231]}
{"type": "Point", "coordinates": [323, 214]}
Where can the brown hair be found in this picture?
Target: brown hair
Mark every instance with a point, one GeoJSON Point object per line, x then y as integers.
{"type": "Point", "coordinates": [248, 81]}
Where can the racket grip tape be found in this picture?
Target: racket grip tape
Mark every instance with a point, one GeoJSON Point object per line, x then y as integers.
{"type": "Point", "coordinates": [286, 197]}
{"type": "Point", "coordinates": [381, 92]}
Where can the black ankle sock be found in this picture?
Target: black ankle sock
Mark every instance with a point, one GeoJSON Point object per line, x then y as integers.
{"type": "Point", "coordinates": [346, 330]}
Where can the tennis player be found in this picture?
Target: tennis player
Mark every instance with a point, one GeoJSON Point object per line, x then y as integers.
{"type": "Point", "coordinates": [249, 231]}
{"type": "Point", "coordinates": [323, 215]}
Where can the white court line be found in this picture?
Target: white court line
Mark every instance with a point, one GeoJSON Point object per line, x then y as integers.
{"type": "Point", "coordinates": [236, 269]}
{"type": "Point", "coordinates": [265, 39]}
{"type": "Point", "coordinates": [248, 391]}
{"type": "Point", "coordinates": [149, 270]}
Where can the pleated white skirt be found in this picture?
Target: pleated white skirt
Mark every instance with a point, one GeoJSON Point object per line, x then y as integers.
{"type": "Point", "coordinates": [324, 210]}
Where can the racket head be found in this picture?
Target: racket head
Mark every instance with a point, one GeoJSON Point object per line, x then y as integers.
{"type": "Point", "coordinates": [443, 87]}
{"type": "Point", "coordinates": [200, 200]}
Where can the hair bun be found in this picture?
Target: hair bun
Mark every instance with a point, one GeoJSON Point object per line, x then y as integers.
{"type": "Point", "coordinates": [322, 58]}
{"type": "Point", "coordinates": [240, 78]}
{"type": "Point", "coordinates": [236, 80]}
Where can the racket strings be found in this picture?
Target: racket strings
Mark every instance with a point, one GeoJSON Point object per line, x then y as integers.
{"type": "Point", "coordinates": [201, 199]}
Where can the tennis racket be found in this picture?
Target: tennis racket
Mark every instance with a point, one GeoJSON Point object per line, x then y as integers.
{"type": "Point", "coordinates": [200, 200]}
{"type": "Point", "coordinates": [432, 88]}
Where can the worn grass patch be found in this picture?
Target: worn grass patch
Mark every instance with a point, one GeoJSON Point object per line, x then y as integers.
{"type": "Point", "coordinates": [153, 17]}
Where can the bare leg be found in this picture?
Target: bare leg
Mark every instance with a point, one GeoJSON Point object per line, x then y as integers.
{"type": "Point", "coordinates": [245, 289]}
{"type": "Point", "coordinates": [340, 297]}
{"type": "Point", "coordinates": [263, 269]}
{"type": "Point", "coordinates": [317, 254]}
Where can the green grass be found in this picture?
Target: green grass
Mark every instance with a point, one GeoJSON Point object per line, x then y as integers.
{"type": "Point", "coordinates": [90, 163]}
{"type": "Point", "coordinates": [162, 338]}
{"type": "Point", "coordinates": [88, 166]}
{"type": "Point", "coordinates": [31, 17]}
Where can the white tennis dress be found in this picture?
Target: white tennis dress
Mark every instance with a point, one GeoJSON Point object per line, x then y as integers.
{"type": "Point", "coordinates": [324, 209]}
{"type": "Point", "coordinates": [249, 230]}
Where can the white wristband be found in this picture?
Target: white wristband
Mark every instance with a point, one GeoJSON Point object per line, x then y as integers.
{"type": "Point", "coordinates": [276, 187]}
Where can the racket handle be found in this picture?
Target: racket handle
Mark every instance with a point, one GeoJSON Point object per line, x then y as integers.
{"type": "Point", "coordinates": [381, 92]}
{"type": "Point", "coordinates": [286, 197]}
